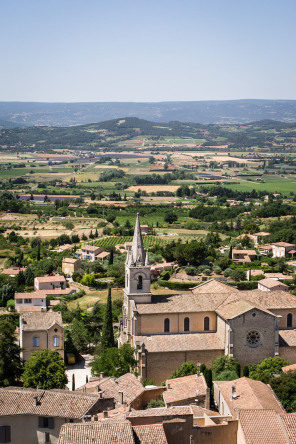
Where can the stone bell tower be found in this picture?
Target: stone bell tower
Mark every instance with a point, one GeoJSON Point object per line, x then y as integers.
{"type": "Point", "coordinates": [137, 270]}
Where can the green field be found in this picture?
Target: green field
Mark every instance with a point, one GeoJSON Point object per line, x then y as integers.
{"type": "Point", "coordinates": [271, 184]}
{"type": "Point", "coordinates": [111, 241]}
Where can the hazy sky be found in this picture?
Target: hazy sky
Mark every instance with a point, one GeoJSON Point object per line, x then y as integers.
{"type": "Point", "coordinates": [147, 50]}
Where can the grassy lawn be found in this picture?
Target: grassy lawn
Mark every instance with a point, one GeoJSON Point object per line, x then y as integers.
{"type": "Point", "coordinates": [271, 184]}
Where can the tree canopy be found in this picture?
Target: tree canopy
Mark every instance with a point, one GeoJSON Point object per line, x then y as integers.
{"type": "Point", "coordinates": [46, 370]}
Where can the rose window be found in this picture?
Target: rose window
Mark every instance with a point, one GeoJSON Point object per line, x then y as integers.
{"type": "Point", "coordinates": [253, 338]}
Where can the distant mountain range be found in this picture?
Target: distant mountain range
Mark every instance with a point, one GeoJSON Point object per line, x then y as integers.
{"type": "Point", "coordinates": [24, 114]}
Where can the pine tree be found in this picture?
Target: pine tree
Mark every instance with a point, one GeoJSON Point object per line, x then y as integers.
{"type": "Point", "coordinates": [86, 379]}
{"type": "Point", "coordinates": [107, 339]}
{"type": "Point", "coordinates": [96, 233]}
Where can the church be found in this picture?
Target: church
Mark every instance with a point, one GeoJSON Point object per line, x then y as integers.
{"type": "Point", "coordinates": [214, 319]}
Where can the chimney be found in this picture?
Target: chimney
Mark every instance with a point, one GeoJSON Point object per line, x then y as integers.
{"type": "Point", "coordinates": [168, 385]}
{"type": "Point", "coordinates": [105, 412]}
{"type": "Point", "coordinates": [233, 393]}
{"type": "Point", "coordinates": [208, 398]}
{"type": "Point", "coordinates": [100, 393]}
{"type": "Point", "coordinates": [101, 375]}
{"type": "Point", "coordinates": [120, 397]}
{"type": "Point", "coordinates": [36, 401]}
{"type": "Point", "coordinates": [198, 374]}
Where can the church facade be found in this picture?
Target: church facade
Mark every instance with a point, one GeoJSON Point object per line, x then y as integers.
{"type": "Point", "coordinates": [214, 319]}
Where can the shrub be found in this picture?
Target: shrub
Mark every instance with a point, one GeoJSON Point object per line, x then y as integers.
{"type": "Point", "coordinates": [176, 285]}
{"type": "Point", "coordinates": [155, 403]}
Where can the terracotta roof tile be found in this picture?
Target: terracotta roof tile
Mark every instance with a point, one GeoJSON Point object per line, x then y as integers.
{"type": "Point", "coordinates": [289, 421]}
{"type": "Point", "coordinates": [261, 426]}
{"type": "Point", "coordinates": [271, 283]}
{"type": "Point", "coordinates": [270, 300]}
{"type": "Point", "coordinates": [150, 434]}
{"type": "Point", "coordinates": [289, 368]}
{"type": "Point", "coordinates": [183, 342]}
{"type": "Point", "coordinates": [287, 338]}
{"type": "Point", "coordinates": [250, 395]}
{"type": "Point", "coordinates": [56, 278]}
{"type": "Point", "coordinates": [101, 432]}
{"type": "Point", "coordinates": [185, 388]}
{"type": "Point", "coordinates": [58, 403]}
{"type": "Point", "coordinates": [161, 411]}
{"type": "Point", "coordinates": [40, 321]}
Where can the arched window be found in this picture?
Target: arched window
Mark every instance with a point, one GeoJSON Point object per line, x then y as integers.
{"type": "Point", "coordinates": [140, 283]}
{"type": "Point", "coordinates": [186, 324]}
{"type": "Point", "coordinates": [206, 323]}
{"type": "Point", "coordinates": [166, 325]}
{"type": "Point", "coordinates": [289, 320]}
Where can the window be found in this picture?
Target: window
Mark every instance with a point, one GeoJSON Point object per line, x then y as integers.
{"type": "Point", "coordinates": [36, 341]}
{"type": "Point", "coordinates": [166, 325]}
{"type": "Point", "coordinates": [55, 341]}
{"type": "Point", "coordinates": [140, 283]}
{"type": "Point", "coordinates": [186, 324]}
{"type": "Point", "coordinates": [45, 422]}
{"type": "Point", "coordinates": [289, 320]}
{"type": "Point", "coordinates": [5, 434]}
{"type": "Point", "coordinates": [206, 323]}
{"type": "Point", "coordinates": [253, 338]}
{"type": "Point", "coordinates": [28, 301]}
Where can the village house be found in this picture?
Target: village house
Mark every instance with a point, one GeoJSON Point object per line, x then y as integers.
{"type": "Point", "coordinates": [50, 282]}
{"type": "Point", "coordinates": [65, 247]}
{"type": "Point", "coordinates": [243, 256]}
{"type": "Point", "coordinates": [70, 266]}
{"type": "Point", "coordinates": [283, 249]}
{"type": "Point", "coordinates": [13, 271]}
{"type": "Point", "coordinates": [215, 319]}
{"type": "Point", "coordinates": [187, 390]}
{"type": "Point", "coordinates": [34, 416]}
{"type": "Point", "coordinates": [271, 285]}
{"type": "Point", "coordinates": [144, 229]}
{"type": "Point", "coordinates": [91, 253]}
{"type": "Point", "coordinates": [260, 237]}
{"type": "Point", "coordinates": [36, 300]}
{"type": "Point", "coordinates": [41, 331]}
{"type": "Point", "coordinates": [126, 390]}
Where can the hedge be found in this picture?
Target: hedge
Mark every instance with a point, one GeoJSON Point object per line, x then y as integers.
{"type": "Point", "coordinates": [245, 285]}
{"type": "Point", "coordinates": [177, 285]}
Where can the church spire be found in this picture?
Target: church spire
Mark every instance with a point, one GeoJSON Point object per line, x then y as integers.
{"type": "Point", "coordinates": [137, 252]}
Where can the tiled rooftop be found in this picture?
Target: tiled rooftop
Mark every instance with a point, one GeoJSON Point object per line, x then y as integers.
{"type": "Point", "coordinates": [261, 426]}
{"type": "Point", "coordinates": [185, 388]}
{"type": "Point", "coordinates": [250, 395]}
{"type": "Point", "coordinates": [181, 342]}
{"type": "Point", "coordinates": [287, 338]}
{"type": "Point", "coordinates": [40, 321]}
{"type": "Point", "coordinates": [161, 411]}
{"type": "Point", "coordinates": [58, 403]}
{"type": "Point", "coordinates": [271, 283]}
{"type": "Point", "coordinates": [101, 432]}
{"type": "Point", "coordinates": [289, 421]}
{"type": "Point", "coordinates": [150, 434]}
{"type": "Point", "coordinates": [56, 278]}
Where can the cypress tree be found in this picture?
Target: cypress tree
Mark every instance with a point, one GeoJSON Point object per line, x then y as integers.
{"type": "Point", "coordinates": [246, 371]}
{"type": "Point", "coordinates": [230, 252]}
{"type": "Point", "coordinates": [107, 338]}
{"type": "Point", "coordinates": [111, 259]}
{"type": "Point", "coordinates": [86, 379]}
{"type": "Point", "coordinates": [38, 252]}
{"type": "Point", "coordinates": [202, 368]}
{"type": "Point", "coordinates": [29, 276]}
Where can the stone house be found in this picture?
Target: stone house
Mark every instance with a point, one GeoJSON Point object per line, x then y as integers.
{"type": "Point", "coordinates": [89, 252]}
{"type": "Point", "coordinates": [283, 249]}
{"type": "Point", "coordinates": [243, 256]}
{"type": "Point", "coordinates": [32, 416]}
{"type": "Point", "coordinates": [70, 265]}
{"type": "Point", "coordinates": [272, 285]}
{"type": "Point", "coordinates": [65, 247]}
{"type": "Point", "coordinates": [13, 271]}
{"type": "Point", "coordinates": [41, 331]}
{"type": "Point", "coordinates": [49, 282]}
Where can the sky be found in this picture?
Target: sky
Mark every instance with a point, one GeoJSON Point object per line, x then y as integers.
{"type": "Point", "coordinates": [147, 50]}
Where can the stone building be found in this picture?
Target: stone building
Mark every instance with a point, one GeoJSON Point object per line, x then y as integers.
{"type": "Point", "coordinates": [215, 319]}
{"type": "Point", "coordinates": [70, 265]}
{"type": "Point", "coordinates": [41, 331]}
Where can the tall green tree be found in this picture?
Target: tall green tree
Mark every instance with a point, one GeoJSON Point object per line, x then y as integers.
{"type": "Point", "coordinates": [10, 362]}
{"type": "Point", "coordinates": [186, 369]}
{"type": "Point", "coordinates": [265, 370]}
{"type": "Point", "coordinates": [111, 257]}
{"type": "Point", "coordinates": [46, 370]}
{"type": "Point", "coordinates": [115, 361]}
{"type": "Point", "coordinates": [6, 293]}
{"type": "Point", "coordinates": [29, 277]}
{"type": "Point", "coordinates": [107, 339]}
{"type": "Point", "coordinates": [79, 335]}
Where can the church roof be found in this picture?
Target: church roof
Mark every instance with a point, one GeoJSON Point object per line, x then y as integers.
{"type": "Point", "coordinates": [270, 299]}
{"type": "Point", "coordinates": [214, 286]}
{"type": "Point", "coordinates": [231, 308]}
{"type": "Point", "coordinates": [137, 251]}
{"type": "Point", "coordinates": [181, 342]}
